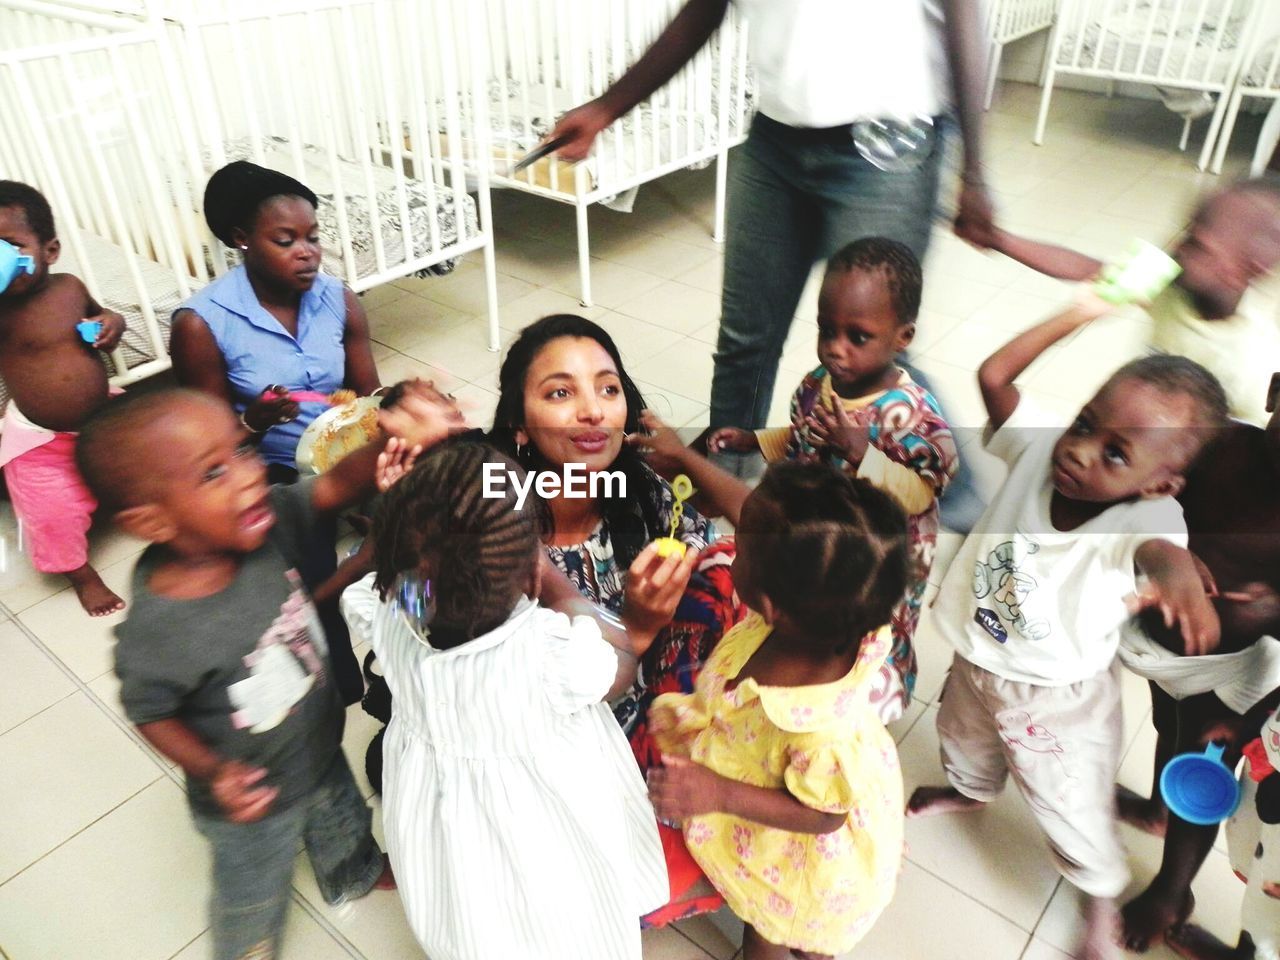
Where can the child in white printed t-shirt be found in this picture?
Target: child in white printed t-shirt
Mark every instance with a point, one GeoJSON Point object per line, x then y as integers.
{"type": "Point", "coordinates": [1034, 601]}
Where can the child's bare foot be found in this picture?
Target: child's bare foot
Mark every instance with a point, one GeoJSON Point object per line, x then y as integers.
{"type": "Point", "coordinates": [386, 880]}
{"type": "Point", "coordinates": [1195, 943]}
{"type": "Point", "coordinates": [927, 801]}
{"type": "Point", "coordinates": [1150, 916]}
{"type": "Point", "coordinates": [95, 596]}
{"type": "Point", "coordinates": [1149, 816]}
{"type": "Point", "coordinates": [1101, 924]}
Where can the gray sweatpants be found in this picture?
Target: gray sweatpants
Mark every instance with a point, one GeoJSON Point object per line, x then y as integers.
{"type": "Point", "coordinates": [1062, 746]}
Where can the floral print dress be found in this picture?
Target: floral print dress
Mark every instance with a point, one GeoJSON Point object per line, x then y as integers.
{"type": "Point", "coordinates": [708, 608]}
{"type": "Point", "coordinates": [823, 744]}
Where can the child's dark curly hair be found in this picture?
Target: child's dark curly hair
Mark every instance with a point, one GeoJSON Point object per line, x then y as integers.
{"type": "Point", "coordinates": [479, 551]}
{"type": "Point", "coordinates": [33, 206]}
{"type": "Point", "coordinates": [836, 563]}
{"type": "Point", "coordinates": [895, 260]}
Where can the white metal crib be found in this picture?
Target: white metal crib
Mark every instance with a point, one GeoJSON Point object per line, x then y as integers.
{"type": "Point", "coordinates": [87, 122]}
{"type": "Point", "coordinates": [1011, 20]}
{"type": "Point", "coordinates": [1192, 45]}
{"type": "Point", "coordinates": [1259, 78]}
{"type": "Point", "coordinates": [119, 118]}
{"type": "Point", "coordinates": [545, 56]}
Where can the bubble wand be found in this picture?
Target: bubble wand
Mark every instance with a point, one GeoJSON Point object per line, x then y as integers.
{"type": "Point", "coordinates": [682, 490]}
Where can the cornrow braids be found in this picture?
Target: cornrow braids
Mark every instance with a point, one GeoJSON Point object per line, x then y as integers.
{"type": "Point", "coordinates": [837, 564]}
{"type": "Point", "coordinates": [479, 551]}
{"type": "Point", "coordinates": [895, 260]}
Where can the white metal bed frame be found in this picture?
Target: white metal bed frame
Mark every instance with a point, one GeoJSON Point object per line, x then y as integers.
{"type": "Point", "coordinates": [1011, 20]}
{"type": "Point", "coordinates": [82, 77]}
{"type": "Point", "coordinates": [568, 54]}
{"type": "Point", "coordinates": [1259, 77]}
{"type": "Point", "coordinates": [1213, 69]}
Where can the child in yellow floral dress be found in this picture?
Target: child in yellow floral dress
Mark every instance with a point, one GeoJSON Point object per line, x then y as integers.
{"type": "Point", "coordinates": [784, 779]}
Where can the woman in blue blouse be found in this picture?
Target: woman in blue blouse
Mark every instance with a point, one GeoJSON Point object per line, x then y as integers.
{"type": "Point", "coordinates": [277, 322]}
{"type": "Point", "coordinates": [273, 321]}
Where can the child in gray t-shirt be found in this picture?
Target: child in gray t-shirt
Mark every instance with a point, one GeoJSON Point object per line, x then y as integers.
{"type": "Point", "coordinates": [222, 660]}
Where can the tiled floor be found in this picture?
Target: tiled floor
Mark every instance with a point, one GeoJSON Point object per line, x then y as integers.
{"type": "Point", "coordinates": [98, 860]}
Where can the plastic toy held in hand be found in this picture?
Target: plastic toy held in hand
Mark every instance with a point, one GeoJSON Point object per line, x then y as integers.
{"type": "Point", "coordinates": [1138, 276]}
{"type": "Point", "coordinates": [682, 490]}
{"type": "Point", "coordinates": [89, 330]}
{"type": "Point", "coordinates": [12, 264]}
{"type": "Point", "coordinates": [1199, 787]}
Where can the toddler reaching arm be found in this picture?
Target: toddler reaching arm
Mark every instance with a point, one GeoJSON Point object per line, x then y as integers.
{"type": "Point", "coordinates": [1048, 258]}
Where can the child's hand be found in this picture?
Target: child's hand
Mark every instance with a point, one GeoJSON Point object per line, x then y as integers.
{"type": "Point", "coordinates": [111, 332]}
{"type": "Point", "coordinates": [1182, 600]}
{"type": "Point", "coordinates": [834, 430]}
{"type": "Point", "coordinates": [422, 416]}
{"type": "Point", "coordinates": [396, 459]}
{"type": "Point", "coordinates": [1087, 306]}
{"type": "Point", "coordinates": [233, 788]}
{"type": "Point", "coordinates": [654, 587]}
{"type": "Point", "coordinates": [272, 408]}
{"type": "Point", "coordinates": [660, 444]}
{"type": "Point", "coordinates": [680, 789]}
{"type": "Point", "coordinates": [733, 440]}
{"type": "Point", "coordinates": [975, 217]}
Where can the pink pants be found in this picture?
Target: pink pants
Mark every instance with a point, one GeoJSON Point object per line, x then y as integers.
{"type": "Point", "coordinates": [53, 505]}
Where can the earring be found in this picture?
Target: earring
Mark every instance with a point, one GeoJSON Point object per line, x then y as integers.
{"type": "Point", "coordinates": [519, 450]}
{"type": "Point", "coordinates": [244, 246]}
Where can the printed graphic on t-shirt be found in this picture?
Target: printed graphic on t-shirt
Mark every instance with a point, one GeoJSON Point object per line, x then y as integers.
{"type": "Point", "coordinates": [1002, 581]}
{"type": "Point", "coordinates": [284, 666]}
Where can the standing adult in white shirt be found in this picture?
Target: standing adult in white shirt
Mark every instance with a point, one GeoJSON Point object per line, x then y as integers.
{"type": "Point", "coordinates": [800, 187]}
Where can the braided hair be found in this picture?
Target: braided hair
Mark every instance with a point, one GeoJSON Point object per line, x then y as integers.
{"type": "Point", "coordinates": [480, 552]}
{"type": "Point", "coordinates": [836, 563]}
{"type": "Point", "coordinates": [632, 521]}
{"type": "Point", "coordinates": [901, 270]}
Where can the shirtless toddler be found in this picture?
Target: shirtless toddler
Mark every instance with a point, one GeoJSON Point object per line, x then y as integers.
{"type": "Point", "coordinates": [56, 381]}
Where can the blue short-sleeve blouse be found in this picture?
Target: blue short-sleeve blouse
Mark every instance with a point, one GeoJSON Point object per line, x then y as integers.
{"type": "Point", "coordinates": [259, 352]}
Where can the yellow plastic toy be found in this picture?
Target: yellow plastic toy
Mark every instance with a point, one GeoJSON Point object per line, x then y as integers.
{"type": "Point", "coordinates": [682, 490]}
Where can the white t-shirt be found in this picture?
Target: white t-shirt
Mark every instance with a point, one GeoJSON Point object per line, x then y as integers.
{"type": "Point", "coordinates": [1031, 603]}
{"type": "Point", "coordinates": [823, 63]}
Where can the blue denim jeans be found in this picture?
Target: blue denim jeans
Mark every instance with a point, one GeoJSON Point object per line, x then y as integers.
{"type": "Point", "coordinates": [253, 863]}
{"type": "Point", "coordinates": [795, 198]}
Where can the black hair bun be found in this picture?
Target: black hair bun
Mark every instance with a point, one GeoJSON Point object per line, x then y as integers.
{"type": "Point", "coordinates": [234, 194]}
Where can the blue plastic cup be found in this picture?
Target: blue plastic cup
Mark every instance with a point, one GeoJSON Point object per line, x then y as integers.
{"type": "Point", "coordinates": [89, 330]}
{"type": "Point", "coordinates": [12, 264]}
{"type": "Point", "coordinates": [1199, 787]}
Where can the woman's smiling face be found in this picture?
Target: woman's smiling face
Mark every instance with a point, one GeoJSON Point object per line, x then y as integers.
{"type": "Point", "coordinates": [574, 407]}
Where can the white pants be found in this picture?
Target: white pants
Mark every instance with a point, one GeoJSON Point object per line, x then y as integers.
{"type": "Point", "coordinates": [1062, 746]}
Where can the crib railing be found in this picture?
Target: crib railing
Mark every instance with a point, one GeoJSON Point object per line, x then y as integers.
{"type": "Point", "coordinates": [80, 118]}
{"type": "Point", "coordinates": [1180, 44]}
{"type": "Point", "coordinates": [1259, 77]}
{"type": "Point", "coordinates": [1011, 20]}
{"type": "Point", "coordinates": [543, 57]}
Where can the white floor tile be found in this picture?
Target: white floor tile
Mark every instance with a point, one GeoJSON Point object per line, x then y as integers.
{"type": "Point", "coordinates": [30, 681]}
{"type": "Point", "coordinates": [638, 340]}
{"type": "Point", "coordinates": [680, 368]}
{"type": "Point", "coordinates": [704, 932]}
{"type": "Point", "coordinates": [63, 768]}
{"type": "Point", "coordinates": [304, 939]}
{"type": "Point", "coordinates": [675, 306]}
{"type": "Point", "coordinates": [612, 284]}
{"type": "Point", "coordinates": [82, 642]}
{"type": "Point", "coordinates": [996, 855]}
{"type": "Point", "coordinates": [929, 918]}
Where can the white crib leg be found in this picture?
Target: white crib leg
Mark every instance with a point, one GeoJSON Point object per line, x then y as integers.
{"type": "Point", "coordinates": [1228, 128]}
{"type": "Point", "coordinates": [491, 293]}
{"type": "Point", "coordinates": [993, 68]}
{"type": "Point", "coordinates": [1267, 139]}
{"type": "Point", "coordinates": [1186, 135]}
{"type": "Point", "coordinates": [1215, 125]}
{"type": "Point", "coordinates": [584, 254]}
{"type": "Point", "coordinates": [1045, 95]}
{"type": "Point", "coordinates": [1111, 89]}
{"type": "Point", "coordinates": [722, 189]}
